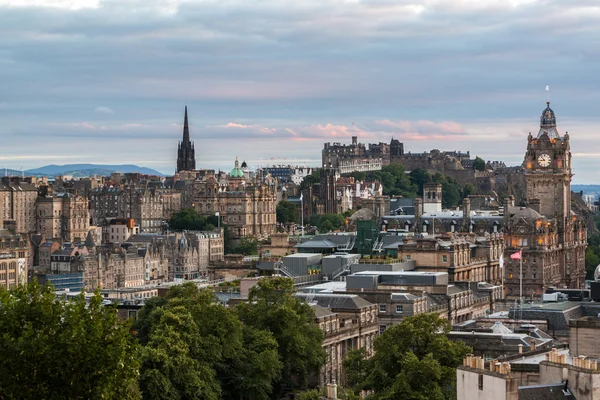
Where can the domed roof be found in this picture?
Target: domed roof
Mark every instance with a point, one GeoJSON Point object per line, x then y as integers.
{"type": "Point", "coordinates": [236, 172]}
{"type": "Point", "coordinates": [527, 214]}
{"type": "Point", "coordinates": [363, 214]}
{"type": "Point", "coordinates": [548, 123]}
{"type": "Point", "coordinates": [548, 118]}
{"type": "Point", "coordinates": [244, 165]}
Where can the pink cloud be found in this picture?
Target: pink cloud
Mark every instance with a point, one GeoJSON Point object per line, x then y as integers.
{"type": "Point", "coordinates": [423, 127]}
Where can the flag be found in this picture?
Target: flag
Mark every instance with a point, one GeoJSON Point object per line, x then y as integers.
{"type": "Point", "coordinates": [501, 261]}
{"type": "Point", "coordinates": [516, 256]}
{"type": "Point", "coordinates": [300, 196]}
{"type": "Point", "coordinates": [547, 88]}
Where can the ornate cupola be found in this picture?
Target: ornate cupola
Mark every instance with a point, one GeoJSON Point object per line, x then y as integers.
{"type": "Point", "coordinates": [548, 123]}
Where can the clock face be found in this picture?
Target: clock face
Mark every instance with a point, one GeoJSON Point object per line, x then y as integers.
{"type": "Point", "coordinates": [544, 160]}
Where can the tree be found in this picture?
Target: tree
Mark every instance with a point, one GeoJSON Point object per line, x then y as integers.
{"type": "Point", "coordinates": [330, 222]}
{"type": "Point", "coordinates": [413, 360]}
{"type": "Point", "coordinates": [191, 220]}
{"type": "Point", "coordinates": [64, 349]}
{"type": "Point", "coordinates": [479, 164]}
{"type": "Point", "coordinates": [592, 260]}
{"type": "Point", "coordinates": [468, 189]}
{"type": "Point", "coordinates": [248, 246]}
{"type": "Point", "coordinates": [271, 306]}
{"type": "Point", "coordinates": [358, 176]}
{"type": "Point", "coordinates": [420, 177]}
{"type": "Point", "coordinates": [287, 212]}
{"type": "Point", "coordinates": [196, 348]}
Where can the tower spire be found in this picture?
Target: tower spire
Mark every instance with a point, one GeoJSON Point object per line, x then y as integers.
{"type": "Point", "coordinates": [186, 129]}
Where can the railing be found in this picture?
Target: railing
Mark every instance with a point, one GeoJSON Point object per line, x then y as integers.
{"type": "Point", "coordinates": [281, 267]}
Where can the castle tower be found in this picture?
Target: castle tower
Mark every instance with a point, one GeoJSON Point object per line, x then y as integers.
{"type": "Point", "coordinates": [186, 155]}
{"type": "Point", "coordinates": [432, 198]}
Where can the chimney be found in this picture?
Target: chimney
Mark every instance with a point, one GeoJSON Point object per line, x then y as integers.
{"type": "Point", "coordinates": [466, 211]}
{"type": "Point", "coordinates": [534, 204]}
{"type": "Point", "coordinates": [520, 349]}
{"type": "Point", "coordinates": [532, 344]}
{"type": "Point", "coordinates": [418, 209]}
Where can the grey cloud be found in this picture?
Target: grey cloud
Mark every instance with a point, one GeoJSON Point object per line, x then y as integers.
{"type": "Point", "coordinates": [292, 65]}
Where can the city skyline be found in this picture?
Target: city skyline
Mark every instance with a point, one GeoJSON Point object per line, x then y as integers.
{"type": "Point", "coordinates": [94, 81]}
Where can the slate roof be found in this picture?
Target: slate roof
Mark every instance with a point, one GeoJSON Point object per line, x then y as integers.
{"type": "Point", "coordinates": [336, 301]}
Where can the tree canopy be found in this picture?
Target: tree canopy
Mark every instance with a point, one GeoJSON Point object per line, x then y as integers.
{"type": "Point", "coordinates": [272, 307]}
{"type": "Point", "coordinates": [191, 220]}
{"type": "Point", "coordinates": [330, 222]}
{"type": "Point", "coordinates": [64, 349]}
{"type": "Point", "coordinates": [197, 348]}
{"type": "Point", "coordinates": [413, 360]}
{"type": "Point", "coordinates": [479, 164]}
{"type": "Point", "coordinates": [287, 212]}
{"type": "Point", "coordinates": [247, 246]}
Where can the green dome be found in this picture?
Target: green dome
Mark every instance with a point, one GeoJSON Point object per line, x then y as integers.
{"type": "Point", "coordinates": [236, 172]}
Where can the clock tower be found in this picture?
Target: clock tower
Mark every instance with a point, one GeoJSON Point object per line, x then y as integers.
{"type": "Point", "coordinates": [548, 171]}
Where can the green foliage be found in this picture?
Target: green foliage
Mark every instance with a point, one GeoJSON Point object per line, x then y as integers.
{"type": "Point", "coordinates": [247, 246]}
{"type": "Point", "coordinates": [479, 164]}
{"type": "Point", "coordinates": [311, 179]}
{"type": "Point", "coordinates": [310, 395]}
{"type": "Point", "coordinates": [330, 222]}
{"type": "Point", "coordinates": [469, 189]}
{"type": "Point", "coordinates": [358, 176]}
{"type": "Point", "coordinates": [395, 181]}
{"type": "Point", "coordinates": [191, 220]}
{"type": "Point", "coordinates": [287, 212]}
{"type": "Point", "coordinates": [196, 348]}
{"type": "Point", "coordinates": [272, 307]}
{"type": "Point", "coordinates": [61, 349]}
{"type": "Point", "coordinates": [592, 255]}
{"type": "Point", "coordinates": [413, 360]}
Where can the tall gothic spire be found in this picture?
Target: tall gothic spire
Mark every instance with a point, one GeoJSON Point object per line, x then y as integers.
{"type": "Point", "coordinates": [186, 129]}
{"type": "Point", "coordinates": [186, 155]}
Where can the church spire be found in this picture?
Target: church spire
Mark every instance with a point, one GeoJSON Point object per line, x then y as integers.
{"type": "Point", "coordinates": [186, 129]}
{"type": "Point", "coordinates": [186, 157]}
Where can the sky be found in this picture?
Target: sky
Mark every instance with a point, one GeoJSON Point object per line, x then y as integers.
{"type": "Point", "coordinates": [269, 81]}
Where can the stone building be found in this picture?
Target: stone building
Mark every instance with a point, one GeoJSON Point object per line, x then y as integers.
{"type": "Point", "coordinates": [464, 258]}
{"type": "Point", "coordinates": [354, 157]}
{"type": "Point", "coordinates": [141, 202]}
{"type": "Point", "coordinates": [62, 216]}
{"type": "Point", "coordinates": [348, 323]}
{"type": "Point", "coordinates": [14, 255]}
{"type": "Point", "coordinates": [245, 207]}
{"type": "Point", "coordinates": [188, 254]}
{"type": "Point", "coordinates": [107, 268]}
{"type": "Point", "coordinates": [17, 203]}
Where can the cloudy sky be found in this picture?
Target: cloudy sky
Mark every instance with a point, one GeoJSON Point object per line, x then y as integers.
{"type": "Point", "coordinates": [106, 81]}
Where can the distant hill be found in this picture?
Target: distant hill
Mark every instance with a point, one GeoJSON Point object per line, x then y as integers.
{"type": "Point", "coordinates": [84, 170]}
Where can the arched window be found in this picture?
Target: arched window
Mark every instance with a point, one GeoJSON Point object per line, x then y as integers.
{"type": "Point", "coordinates": [3, 267]}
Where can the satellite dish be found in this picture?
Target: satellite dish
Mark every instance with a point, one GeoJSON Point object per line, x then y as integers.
{"type": "Point", "coordinates": [597, 273]}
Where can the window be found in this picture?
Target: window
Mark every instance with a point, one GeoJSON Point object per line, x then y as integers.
{"type": "Point", "coordinates": [444, 259]}
{"type": "Point", "coordinates": [399, 309]}
{"type": "Point", "coordinates": [408, 258]}
{"type": "Point", "coordinates": [382, 308]}
{"type": "Point", "coordinates": [381, 329]}
{"type": "Point", "coordinates": [480, 381]}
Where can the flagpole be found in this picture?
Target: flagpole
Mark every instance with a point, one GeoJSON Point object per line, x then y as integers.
{"type": "Point", "coordinates": [302, 213]}
{"type": "Point", "coordinates": [521, 278]}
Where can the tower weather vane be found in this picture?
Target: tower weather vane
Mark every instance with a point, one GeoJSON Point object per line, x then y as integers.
{"type": "Point", "coordinates": [548, 90]}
